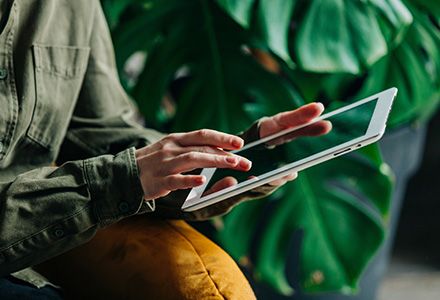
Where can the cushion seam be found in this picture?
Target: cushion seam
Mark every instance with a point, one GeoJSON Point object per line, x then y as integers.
{"type": "Point", "coordinates": [202, 263]}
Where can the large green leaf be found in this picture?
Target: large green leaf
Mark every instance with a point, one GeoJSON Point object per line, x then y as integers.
{"type": "Point", "coordinates": [274, 17]}
{"type": "Point", "coordinates": [394, 19]}
{"type": "Point", "coordinates": [356, 37]}
{"type": "Point", "coordinates": [414, 68]}
{"type": "Point", "coordinates": [239, 10]}
{"type": "Point", "coordinates": [219, 76]}
{"type": "Point", "coordinates": [339, 36]}
{"type": "Point", "coordinates": [341, 206]}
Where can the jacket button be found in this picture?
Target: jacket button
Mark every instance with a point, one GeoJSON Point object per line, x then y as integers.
{"type": "Point", "coordinates": [124, 207]}
{"type": "Point", "coordinates": [59, 233]}
{"type": "Point", "coordinates": [3, 74]}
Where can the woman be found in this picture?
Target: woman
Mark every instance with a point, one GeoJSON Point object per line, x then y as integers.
{"type": "Point", "coordinates": [62, 104]}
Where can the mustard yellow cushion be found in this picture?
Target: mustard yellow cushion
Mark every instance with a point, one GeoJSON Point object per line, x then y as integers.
{"type": "Point", "coordinates": [148, 258]}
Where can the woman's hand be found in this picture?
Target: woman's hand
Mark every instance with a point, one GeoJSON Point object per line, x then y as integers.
{"type": "Point", "coordinates": [162, 164]}
{"type": "Point", "coordinates": [298, 117]}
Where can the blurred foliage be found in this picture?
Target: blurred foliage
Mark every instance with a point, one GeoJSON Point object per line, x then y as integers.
{"type": "Point", "coordinates": [224, 63]}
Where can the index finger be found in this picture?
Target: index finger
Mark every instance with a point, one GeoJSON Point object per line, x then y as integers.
{"type": "Point", "coordinates": [288, 119]}
{"type": "Point", "coordinates": [299, 116]}
{"type": "Point", "coordinates": [208, 137]}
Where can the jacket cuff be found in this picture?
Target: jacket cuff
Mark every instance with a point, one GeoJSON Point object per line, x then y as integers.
{"type": "Point", "coordinates": [115, 187]}
{"type": "Point", "coordinates": [252, 133]}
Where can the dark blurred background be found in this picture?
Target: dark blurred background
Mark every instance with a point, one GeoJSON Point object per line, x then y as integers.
{"type": "Point", "coordinates": [414, 271]}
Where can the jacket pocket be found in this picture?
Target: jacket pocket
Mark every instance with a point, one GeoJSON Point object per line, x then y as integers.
{"type": "Point", "coordinates": [59, 73]}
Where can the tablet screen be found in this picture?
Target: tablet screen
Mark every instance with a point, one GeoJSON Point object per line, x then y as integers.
{"type": "Point", "coordinates": [271, 155]}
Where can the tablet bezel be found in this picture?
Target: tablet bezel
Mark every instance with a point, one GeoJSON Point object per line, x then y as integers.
{"type": "Point", "coordinates": [375, 130]}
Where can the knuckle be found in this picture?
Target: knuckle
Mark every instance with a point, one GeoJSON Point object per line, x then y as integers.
{"type": "Point", "coordinates": [171, 137]}
{"type": "Point", "coordinates": [167, 148]}
{"type": "Point", "coordinates": [218, 159]}
{"type": "Point", "coordinates": [163, 142]}
{"type": "Point", "coordinates": [185, 157]}
{"type": "Point", "coordinates": [203, 133]}
{"type": "Point", "coordinates": [169, 183]}
{"type": "Point", "coordinates": [206, 149]}
{"type": "Point", "coordinates": [190, 156]}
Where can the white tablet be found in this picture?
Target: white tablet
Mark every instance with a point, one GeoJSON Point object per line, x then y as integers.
{"type": "Point", "coordinates": [353, 126]}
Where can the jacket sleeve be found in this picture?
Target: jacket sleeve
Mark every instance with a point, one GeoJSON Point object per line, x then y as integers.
{"type": "Point", "coordinates": [50, 210]}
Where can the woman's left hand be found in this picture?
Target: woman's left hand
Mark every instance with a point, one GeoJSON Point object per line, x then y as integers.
{"type": "Point", "coordinates": [294, 118]}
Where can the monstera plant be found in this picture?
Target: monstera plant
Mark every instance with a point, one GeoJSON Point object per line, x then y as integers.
{"type": "Point", "coordinates": [197, 68]}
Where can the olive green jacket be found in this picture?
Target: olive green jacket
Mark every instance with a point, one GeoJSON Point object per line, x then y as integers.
{"type": "Point", "coordinates": [61, 104]}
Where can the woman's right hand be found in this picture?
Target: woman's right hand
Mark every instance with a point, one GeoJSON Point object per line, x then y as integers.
{"type": "Point", "coordinates": [161, 164]}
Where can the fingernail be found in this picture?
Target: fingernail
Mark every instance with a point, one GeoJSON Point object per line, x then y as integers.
{"type": "Point", "coordinates": [245, 164]}
{"type": "Point", "coordinates": [231, 160]}
{"type": "Point", "coordinates": [320, 104]}
{"type": "Point", "coordinates": [201, 179]}
{"type": "Point", "coordinates": [237, 143]}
